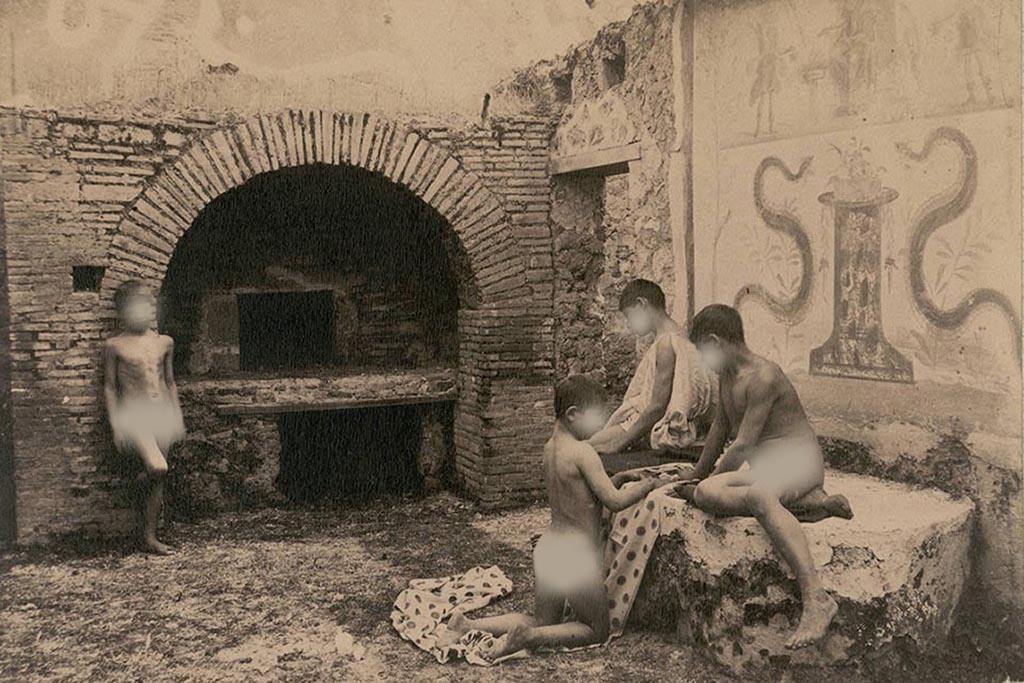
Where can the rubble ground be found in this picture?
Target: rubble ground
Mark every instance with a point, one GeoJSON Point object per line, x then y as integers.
{"type": "Point", "coordinates": [304, 595]}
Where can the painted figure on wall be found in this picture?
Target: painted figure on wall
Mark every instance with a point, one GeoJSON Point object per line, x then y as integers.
{"type": "Point", "coordinates": [853, 63]}
{"type": "Point", "coordinates": [767, 77]}
{"type": "Point", "coordinates": [971, 37]}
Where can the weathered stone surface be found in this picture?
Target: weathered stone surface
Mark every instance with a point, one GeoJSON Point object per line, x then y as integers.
{"type": "Point", "coordinates": [897, 570]}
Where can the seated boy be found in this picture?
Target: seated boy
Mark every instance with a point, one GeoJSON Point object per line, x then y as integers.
{"type": "Point", "coordinates": [567, 559]}
{"type": "Point", "coordinates": [670, 395]}
{"type": "Point", "coordinates": [760, 412]}
{"type": "Point", "coordinates": [142, 399]}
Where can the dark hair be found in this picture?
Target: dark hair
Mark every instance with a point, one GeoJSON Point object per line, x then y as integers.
{"type": "Point", "coordinates": [579, 391]}
{"type": "Point", "coordinates": [720, 320]}
{"type": "Point", "coordinates": [642, 289]}
{"type": "Point", "coordinates": [125, 291]}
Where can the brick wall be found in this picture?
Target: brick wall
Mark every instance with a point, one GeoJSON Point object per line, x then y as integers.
{"type": "Point", "coordinates": [80, 190]}
{"type": "Point", "coordinates": [608, 230]}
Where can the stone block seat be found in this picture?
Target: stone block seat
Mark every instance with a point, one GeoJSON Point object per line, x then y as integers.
{"type": "Point", "coordinates": [897, 571]}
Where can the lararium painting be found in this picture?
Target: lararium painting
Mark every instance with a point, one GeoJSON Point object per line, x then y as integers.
{"type": "Point", "coordinates": [511, 340]}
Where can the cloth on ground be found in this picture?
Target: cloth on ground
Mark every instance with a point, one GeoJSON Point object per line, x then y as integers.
{"type": "Point", "coordinates": [693, 394]}
{"type": "Point", "coordinates": [419, 612]}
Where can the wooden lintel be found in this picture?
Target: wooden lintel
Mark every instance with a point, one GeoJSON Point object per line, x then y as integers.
{"type": "Point", "coordinates": [612, 157]}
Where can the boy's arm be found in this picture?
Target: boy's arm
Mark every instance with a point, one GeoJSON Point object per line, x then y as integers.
{"type": "Point", "coordinates": [110, 391]}
{"type": "Point", "coordinates": [172, 386]}
{"type": "Point", "coordinates": [614, 440]}
{"type": "Point", "coordinates": [110, 379]}
{"type": "Point", "coordinates": [713, 445]}
{"type": "Point", "coordinates": [615, 499]}
{"type": "Point", "coordinates": [617, 416]}
{"type": "Point", "coordinates": [761, 394]}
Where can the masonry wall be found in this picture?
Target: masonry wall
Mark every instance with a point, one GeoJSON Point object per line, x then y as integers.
{"type": "Point", "coordinates": [68, 182]}
{"type": "Point", "coordinates": [612, 227]}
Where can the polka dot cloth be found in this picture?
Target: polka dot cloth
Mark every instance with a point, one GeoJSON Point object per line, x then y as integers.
{"type": "Point", "coordinates": [421, 608]}
{"type": "Point", "coordinates": [630, 541]}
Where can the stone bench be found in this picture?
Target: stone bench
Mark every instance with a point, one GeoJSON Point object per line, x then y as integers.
{"type": "Point", "coordinates": [897, 570]}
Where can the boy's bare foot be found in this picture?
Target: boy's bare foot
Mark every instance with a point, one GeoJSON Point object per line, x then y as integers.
{"type": "Point", "coordinates": [818, 613]}
{"type": "Point", "coordinates": [456, 627]}
{"type": "Point", "coordinates": [818, 505]}
{"type": "Point", "coordinates": [151, 545]}
{"type": "Point", "coordinates": [838, 506]}
{"type": "Point", "coordinates": [511, 642]}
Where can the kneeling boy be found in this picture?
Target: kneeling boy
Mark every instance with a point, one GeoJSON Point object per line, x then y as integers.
{"type": "Point", "coordinates": [761, 413]}
{"type": "Point", "coordinates": [567, 559]}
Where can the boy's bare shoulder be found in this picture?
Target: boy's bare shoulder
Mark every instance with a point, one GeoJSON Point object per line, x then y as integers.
{"type": "Point", "coordinates": [582, 451]}
{"type": "Point", "coordinates": [768, 375]}
{"type": "Point", "coordinates": [569, 448]}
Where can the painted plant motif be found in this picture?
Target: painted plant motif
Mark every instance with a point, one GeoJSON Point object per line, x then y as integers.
{"type": "Point", "coordinates": [959, 262]}
{"type": "Point", "coordinates": [856, 178]}
{"type": "Point", "coordinates": [776, 260]}
{"type": "Point", "coordinates": [786, 225]}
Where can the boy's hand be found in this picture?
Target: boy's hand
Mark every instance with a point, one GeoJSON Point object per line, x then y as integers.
{"type": "Point", "coordinates": [120, 440]}
{"type": "Point", "coordinates": [626, 476]}
{"type": "Point", "coordinates": [686, 471]}
{"type": "Point", "coordinates": [649, 485]}
{"type": "Point", "coordinates": [179, 427]}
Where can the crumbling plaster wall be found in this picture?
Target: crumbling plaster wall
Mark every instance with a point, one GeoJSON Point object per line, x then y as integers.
{"type": "Point", "coordinates": [608, 229]}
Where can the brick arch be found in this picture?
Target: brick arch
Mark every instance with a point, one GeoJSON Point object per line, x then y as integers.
{"type": "Point", "coordinates": [505, 346]}
{"type": "Point", "coordinates": [229, 155]}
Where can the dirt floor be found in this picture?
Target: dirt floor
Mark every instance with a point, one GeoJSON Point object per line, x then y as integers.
{"type": "Point", "coordinates": [271, 595]}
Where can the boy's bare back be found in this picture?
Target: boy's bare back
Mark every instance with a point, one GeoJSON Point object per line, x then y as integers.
{"type": "Point", "coordinates": [574, 506]}
{"type": "Point", "coordinates": [763, 386]}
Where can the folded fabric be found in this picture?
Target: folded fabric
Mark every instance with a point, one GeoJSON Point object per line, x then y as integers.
{"type": "Point", "coordinates": [631, 536]}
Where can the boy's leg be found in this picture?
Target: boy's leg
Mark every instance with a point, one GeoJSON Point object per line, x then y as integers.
{"type": "Point", "coordinates": [741, 494]}
{"type": "Point", "coordinates": [156, 472]}
{"type": "Point", "coordinates": [496, 626]}
{"type": "Point", "coordinates": [765, 502]}
{"type": "Point", "coordinates": [590, 603]}
{"type": "Point", "coordinates": [548, 609]}
{"type": "Point", "coordinates": [724, 494]}
{"type": "Point", "coordinates": [718, 496]}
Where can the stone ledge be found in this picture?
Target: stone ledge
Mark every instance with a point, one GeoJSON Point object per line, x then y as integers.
{"type": "Point", "coordinates": [897, 570]}
{"type": "Point", "coordinates": [266, 393]}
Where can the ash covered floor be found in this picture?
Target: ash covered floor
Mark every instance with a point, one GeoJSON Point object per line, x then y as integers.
{"type": "Point", "coordinates": [263, 596]}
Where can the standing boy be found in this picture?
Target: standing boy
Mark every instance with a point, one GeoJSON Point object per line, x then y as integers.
{"type": "Point", "coordinates": [670, 395]}
{"type": "Point", "coordinates": [142, 399]}
{"type": "Point", "coordinates": [760, 412]}
{"type": "Point", "coordinates": [567, 559]}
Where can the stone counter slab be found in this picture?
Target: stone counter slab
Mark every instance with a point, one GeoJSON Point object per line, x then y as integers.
{"type": "Point", "coordinates": [897, 570]}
